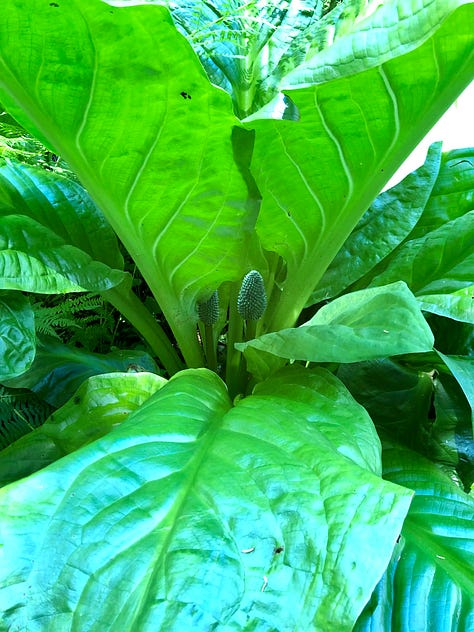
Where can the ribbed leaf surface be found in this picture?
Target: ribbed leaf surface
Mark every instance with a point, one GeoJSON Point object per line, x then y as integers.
{"type": "Point", "coordinates": [17, 334]}
{"type": "Point", "coordinates": [102, 403]}
{"type": "Point", "coordinates": [430, 584]}
{"type": "Point", "coordinates": [198, 514]}
{"type": "Point", "coordinates": [122, 96]}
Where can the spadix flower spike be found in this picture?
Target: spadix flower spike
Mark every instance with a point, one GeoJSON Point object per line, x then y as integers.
{"type": "Point", "coordinates": [208, 311]}
{"type": "Point", "coordinates": [252, 299]}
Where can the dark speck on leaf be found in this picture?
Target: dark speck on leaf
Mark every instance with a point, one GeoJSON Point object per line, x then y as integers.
{"type": "Point", "coordinates": [53, 4]}
{"type": "Point", "coordinates": [77, 400]}
{"type": "Point", "coordinates": [185, 95]}
{"type": "Point", "coordinates": [278, 549]}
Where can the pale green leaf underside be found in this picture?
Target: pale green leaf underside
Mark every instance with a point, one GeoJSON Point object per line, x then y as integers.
{"type": "Point", "coordinates": [364, 325]}
{"type": "Point", "coordinates": [281, 529]}
{"type": "Point", "coordinates": [379, 33]}
{"type": "Point", "coordinates": [17, 334]}
{"type": "Point", "coordinates": [132, 110]}
{"type": "Point", "coordinates": [318, 176]}
{"type": "Point", "coordinates": [101, 404]}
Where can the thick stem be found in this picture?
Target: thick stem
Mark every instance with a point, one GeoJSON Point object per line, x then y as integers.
{"type": "Point", "coordinates": [234, 357]}
{"type": "Point", "coordinates": [210, 348]}
{"type": "Point", "coordinates": [130, 306]}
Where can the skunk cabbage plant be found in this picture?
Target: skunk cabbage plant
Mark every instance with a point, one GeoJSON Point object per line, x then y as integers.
{"type": "Point", "coordinates": [294, 449]}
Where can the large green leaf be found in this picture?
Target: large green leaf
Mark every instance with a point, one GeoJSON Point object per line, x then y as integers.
{"type": "Point", "coordinates": [458, 305]}
{"type": "Point", "coordinates": [61, 205]}
{"type": "Point", "coordinates": [196, 514]}
{"type": "Point", "coordinates": [442, 261]}
{"type": "Point", "coordinates": [58, 369]}
{"type": "Point", "coordinates": [102, 403]}
{"type": "Point", "coordinates": [388, 221]}
{"type": "Point", "coordinates": [452, 195]}
{"type": "Point", "coordinates": [33, 258]}
{"type": "Point", "coordinates": [429, 585]}
{"type": "Point", "coordinates": [122, 96]}
{"type": "Point", "coordinates": [17, 334]}
{"type": "Point", "coordinates": [372, 323]}
{"type": "Point", "coordinates": [362, 109]}
{"type": "Point", "coordinates": [462, 367]}
{"type": "Point", "coordinates": [425, 410]}
{"type": "Point", "coordinates": [397, 398]}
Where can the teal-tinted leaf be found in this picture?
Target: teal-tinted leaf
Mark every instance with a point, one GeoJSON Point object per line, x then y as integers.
{"type": "Point", "coordinates": [61, 205]}
{"type": "Point", "coordinates": [318, 176]}
{"type": "Point", "coordinates": [388, 221]}
{"type": "Point", "coordinates": [458, 305]}
{"type": "Point", "coordinates": [372, 323]}
{"type": "Point", "coordinates": [194, 514]}
{"type": "Point", "coordinates": [58, 370]}
{"type": "Point", "coordinates": [102, 403]}
{"type": "Point", "coordinates": [34, 259]}
{"type": "Point", "coordinates": [462, 367]}
{"type": "Point", "coordinates": [430, 585]}
{"type": "Point", "coordinates": [346, 426]}
{"type": "Point", "coordinates": [123, 98]}
{"type": "Point", "coordinates": [440, 262]}
{"type": "Point", "coordinates": [17, 334]}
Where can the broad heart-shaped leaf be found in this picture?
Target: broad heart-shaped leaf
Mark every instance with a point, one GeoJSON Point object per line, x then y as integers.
{"type": "Point", "coordinates": [430, 585]}
{"type": "Point", "coordinates": [102, 403]}
{"type": "Point", "coordinates": [35, 259]}
{"type": "Point", "coordinates": [61, 205]}
{"type": "Point", "coordinates": [17, 334]}
{"type": "Point", "coordinates": [362, 109]}
{"type": "Point", "coordinates": [364, 325]}
{"type": "Point", "coordinates": [388, 221]}
{"type": "Point", "coordinates": [196, 514]}
{"type": "Point", "coordinates": [123, 98]}
{"type": "Point", "coordinates": [58, 369]}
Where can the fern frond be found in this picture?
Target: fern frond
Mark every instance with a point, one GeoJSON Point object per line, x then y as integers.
{"type": "Point", "coordinates": [21, 411]}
